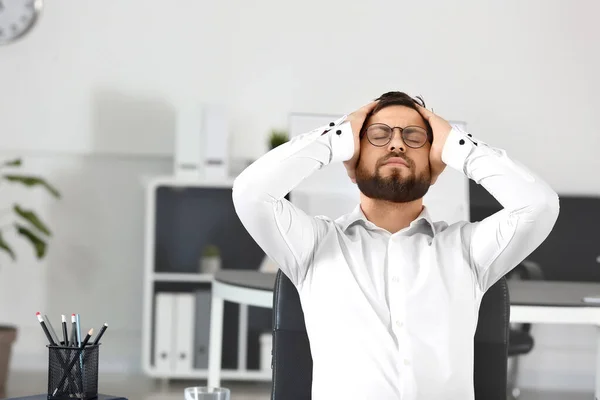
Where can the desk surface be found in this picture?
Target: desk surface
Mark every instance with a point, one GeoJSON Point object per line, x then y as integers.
{"type": "Point", "coordinates": [551, 293]}
{"type": "Point", "coordinates": [45, 397]}
{"type": "Point", "coordinates": [522, 293]}
{"type": "Point", "coordinates": [247, 279]}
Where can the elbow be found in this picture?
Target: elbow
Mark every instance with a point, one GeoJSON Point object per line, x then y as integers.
{"type": "Point", "coordinates": [553, 210]}
{"type": "Point", "coordinates": [241, 202]}
{"type": "Point", "coordinates": [545, 211]}
{"type": "Point", "coordinates": [245, 193]}
{"type": "Point", "coordinates": [238, 193]}
{"type": "Point", "coordinates": [550, 206]}
{"type": "Point", "coordinates": [554, 206]}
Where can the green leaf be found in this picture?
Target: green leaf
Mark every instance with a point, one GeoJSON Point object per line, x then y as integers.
{"type": "Point", "coordinates": [4, 246]}
{"type": "Point", "coordinates": [277, 138]}
{"type": "Point", "coordinates": [32, 181]}
{"type": "Point", "coordinates": [12, 163]}
{"type": "Point", "coordinates": [32, 218]}
{"type": "Point", "coordinates": [38, 243]}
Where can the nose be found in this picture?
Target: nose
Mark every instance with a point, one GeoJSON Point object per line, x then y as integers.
{"type": "Point", "coordinates": [396, 143]}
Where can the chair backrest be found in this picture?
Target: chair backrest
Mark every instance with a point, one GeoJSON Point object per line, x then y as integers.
{"type": "Point", "coordinates": [292, 361]}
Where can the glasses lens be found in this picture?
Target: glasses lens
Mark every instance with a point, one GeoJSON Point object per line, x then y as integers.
{"type": "Point", "coordinates": [379, 134]}
{"type": "Point", "coordinates": [414, 136]}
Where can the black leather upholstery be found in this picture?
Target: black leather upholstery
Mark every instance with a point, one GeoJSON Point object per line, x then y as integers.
{"type": "Point", "coordinates": [519, 343]}
{"type": "Point", "coordinates": [292, 361]}
{"type": "Point", "coordinates": [491, 344]}
{"type": "Point", "coordinates": [520, 340]}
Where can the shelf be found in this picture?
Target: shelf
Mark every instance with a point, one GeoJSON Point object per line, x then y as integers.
{"type": "Point", "coordinates": [181, 277]}
{"type": "Point", "coordinates": [226, 374]}
{"type": "Point", "coordinates": [188, 182]}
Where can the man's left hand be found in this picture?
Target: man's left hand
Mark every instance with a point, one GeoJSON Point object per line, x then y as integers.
{"type": "Point", "coordinates": [441, 128]}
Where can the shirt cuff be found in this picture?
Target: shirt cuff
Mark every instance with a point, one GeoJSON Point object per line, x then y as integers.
{"type": "Point", "coordinates": [341, 140]}
{"type": "Point", "coordinates": [457, 148]}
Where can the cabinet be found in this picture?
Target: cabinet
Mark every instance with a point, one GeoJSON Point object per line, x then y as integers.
{"type": "Point", "coordinates": [182, 218]}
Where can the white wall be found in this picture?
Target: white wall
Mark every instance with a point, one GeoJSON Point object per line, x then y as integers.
{"type": "Point", "coordinates": [89, 98]}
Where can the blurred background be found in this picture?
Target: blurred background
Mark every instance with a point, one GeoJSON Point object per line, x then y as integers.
{"type": "Point", "coordinates": [93, 95]}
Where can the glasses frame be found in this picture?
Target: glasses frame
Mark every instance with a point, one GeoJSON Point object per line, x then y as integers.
{"type": "Point", "coordinates": [392, 135]}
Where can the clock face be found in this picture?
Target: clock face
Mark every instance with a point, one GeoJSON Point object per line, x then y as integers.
{"type": "Point", "coordinates": [17, 17]}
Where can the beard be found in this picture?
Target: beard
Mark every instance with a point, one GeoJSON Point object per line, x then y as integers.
{"type": "Point", "coordinates": [393, 188]}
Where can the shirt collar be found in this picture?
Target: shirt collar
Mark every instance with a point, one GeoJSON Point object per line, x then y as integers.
{"type": "Point", "coordinates": [357, 215]}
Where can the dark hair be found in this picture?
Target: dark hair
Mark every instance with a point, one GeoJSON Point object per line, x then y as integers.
{"type": "Point", "coordinates": [399, 99]}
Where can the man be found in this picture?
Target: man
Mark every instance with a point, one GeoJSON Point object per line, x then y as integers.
{"type": "Point", "coordinates": [391, 298]}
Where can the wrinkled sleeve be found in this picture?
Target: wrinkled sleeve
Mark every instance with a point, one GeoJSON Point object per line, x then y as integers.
{"type": "Point", "coordinates": [284, 232]}
{"type": "Point", "coordinates": [501, 241]}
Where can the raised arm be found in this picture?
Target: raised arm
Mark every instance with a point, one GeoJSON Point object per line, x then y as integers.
{"type": "Point", "coordinates": [283, 231]}
{"type": "Point", "coordinates": [530, 207]}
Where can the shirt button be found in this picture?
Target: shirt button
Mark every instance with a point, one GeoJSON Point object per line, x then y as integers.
{"type": "Point", "coordinates": [406, 362]}
{"type": "Point", "coordinates": [339, 132]}
{"type": "Point", "coordinates": [395, 279]}
{"type": "Point", "coordinates": [399, 323]}
{"type": "Point", "coordinates": [331, 124]}
{"type": "Point", "coordinates": [461, 142]}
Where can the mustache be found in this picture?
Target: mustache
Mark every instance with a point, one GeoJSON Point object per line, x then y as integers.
{"type": "Point", "coordinates": [382, 161]}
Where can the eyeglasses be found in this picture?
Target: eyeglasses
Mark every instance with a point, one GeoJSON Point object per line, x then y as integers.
{"type": "Point", "coordinates": [380, 135]}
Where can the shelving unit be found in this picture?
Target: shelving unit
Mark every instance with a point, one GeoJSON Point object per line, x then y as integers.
{"type": "Point", "coordinates": [180, 277]}
{"type": "Point", "coordinates": [182, 216]}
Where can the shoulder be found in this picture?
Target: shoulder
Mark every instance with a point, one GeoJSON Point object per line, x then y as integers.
{"type": "Point", "coordinates": [460, 229]}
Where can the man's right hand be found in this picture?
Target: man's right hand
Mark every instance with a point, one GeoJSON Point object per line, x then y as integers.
{"type": "Point", "coordinates": [357, 120]}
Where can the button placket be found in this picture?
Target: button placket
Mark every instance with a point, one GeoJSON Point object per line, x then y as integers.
{"type": "Point", "coordinates": [396, 289]}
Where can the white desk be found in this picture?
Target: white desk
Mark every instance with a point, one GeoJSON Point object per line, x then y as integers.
{"type": "Point", "coordinates": [534, 302]}
{"type": "Point", "coordinates": [540, 302]}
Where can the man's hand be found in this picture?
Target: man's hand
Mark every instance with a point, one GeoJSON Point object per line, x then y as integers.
{"type": "Point", "coordinates": [357, 119]}
{"type": "Point", "coordinates": [441, 128]}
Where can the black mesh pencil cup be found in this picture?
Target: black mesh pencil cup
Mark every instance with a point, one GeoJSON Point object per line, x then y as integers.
{"type": "Point", "coordinates": [73, 372]}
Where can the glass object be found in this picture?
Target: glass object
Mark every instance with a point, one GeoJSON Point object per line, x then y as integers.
{"type": "Point", "coordinates": [381, 134]}
{"type": "Point", "coordinates": [206, 393]}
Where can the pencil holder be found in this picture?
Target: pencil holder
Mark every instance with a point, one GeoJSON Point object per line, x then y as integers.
{"type": "Point", "coordinates": [73, 372]}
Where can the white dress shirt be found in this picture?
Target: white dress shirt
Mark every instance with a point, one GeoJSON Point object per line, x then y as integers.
{"type": "Point", "coordinates": [392, 316]}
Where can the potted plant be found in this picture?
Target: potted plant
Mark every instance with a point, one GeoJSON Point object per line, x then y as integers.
{"type": "Point", "coordinates": [26, 224]}
{"type": "Point", "coordinates": [277, 137]}
{"type": "Point", "coordinates": [211, 260]}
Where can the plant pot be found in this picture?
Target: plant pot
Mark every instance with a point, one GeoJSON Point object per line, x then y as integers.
{"type": "Point", "coordinates": [8, 334]}
{"type": "Point", "coordinates": [210, 265]}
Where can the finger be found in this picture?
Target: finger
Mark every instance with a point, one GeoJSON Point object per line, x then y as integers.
{"type": "Point", "coordinates": [367, 108]}
{"type": "Point", "coordinates": [425, 112]}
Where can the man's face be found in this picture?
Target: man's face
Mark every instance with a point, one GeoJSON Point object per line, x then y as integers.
{"type": "Point", "coordinates": [377, 177]}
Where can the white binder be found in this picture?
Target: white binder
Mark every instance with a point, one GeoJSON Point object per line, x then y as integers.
{"type": "Point", "coordinates": [163, 329]}
{"type": "Point", "coordinates": [188, 142]}
{"type": "Point", "coordinates": [184, 328]}
{"type": "Point", "coordinates": [201, 142]}
{"type": "Point", "coordinates": [215, 133]}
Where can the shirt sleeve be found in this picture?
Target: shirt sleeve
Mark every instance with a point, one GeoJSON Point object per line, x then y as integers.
{"type": "Point", "coordinates": [284, 232]}
{"type": "Point", "coordinates": [501, 241]}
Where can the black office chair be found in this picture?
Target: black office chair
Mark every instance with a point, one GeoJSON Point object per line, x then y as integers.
{"type": "Point", "coordinates": [292, 361]}
{"type": "Point", "coordinates": [520, 340]}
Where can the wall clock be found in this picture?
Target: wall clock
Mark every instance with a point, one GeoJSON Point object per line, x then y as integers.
{"type": "Point", "coordinates": [17, 17]}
